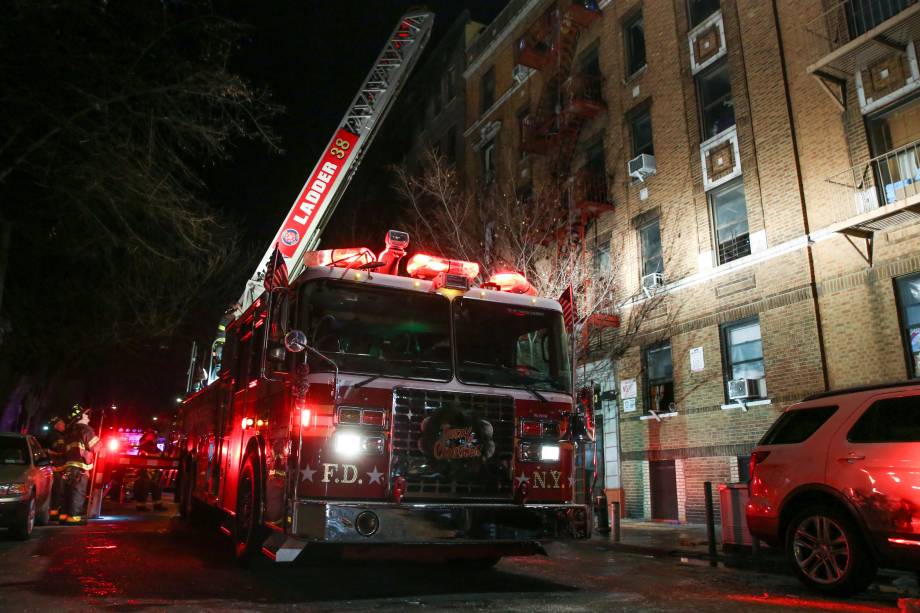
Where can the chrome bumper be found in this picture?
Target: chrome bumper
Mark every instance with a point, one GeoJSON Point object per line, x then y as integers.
{"type": "Point", "coordinates": [323, 522]}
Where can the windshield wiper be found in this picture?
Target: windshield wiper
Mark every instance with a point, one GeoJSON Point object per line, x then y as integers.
{"type": "Point", "coordinates": [522, 379]}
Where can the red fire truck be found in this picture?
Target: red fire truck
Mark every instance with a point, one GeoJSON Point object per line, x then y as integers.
{"type": "Point", "coordinates": [356, 407]}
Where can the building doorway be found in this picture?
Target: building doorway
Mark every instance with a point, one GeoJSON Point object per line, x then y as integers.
{"type": "Point", "coordinates": [663, 485]}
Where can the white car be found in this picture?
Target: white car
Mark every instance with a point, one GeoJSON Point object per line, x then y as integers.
{"type": "Point", "coordinates": [25, 484]}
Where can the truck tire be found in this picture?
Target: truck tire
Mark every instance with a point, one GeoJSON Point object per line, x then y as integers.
{"type": "Point", "coordinates": [248, 533]}
{"type": "Point", "coordinates": [25, 523]}
{"type": "Point", "coordinates": [827, 551]}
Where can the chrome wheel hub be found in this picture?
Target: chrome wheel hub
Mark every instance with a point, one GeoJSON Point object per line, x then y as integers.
{"type": "Point", "coordinates": [821, 549]}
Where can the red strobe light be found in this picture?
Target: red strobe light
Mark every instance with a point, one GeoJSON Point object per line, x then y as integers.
{"type": "Point", "coordinates": [423, 266]}
{"type": "Point", "coordinates": [113, 444]}
{"type": "Point", "coordinates": [352, 257]}
{"type": "Point", "coordinates": [513, 282]}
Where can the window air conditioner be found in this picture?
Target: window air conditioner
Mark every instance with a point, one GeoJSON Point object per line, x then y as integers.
{"type": "Point", "coordinates": [520, 73]}
{"type": "Point", "coordinates": [641, 166]}
{"type": "Point", "coordinates": [652, 281]}
{"type": "Point", "coordinates": [744, 389]}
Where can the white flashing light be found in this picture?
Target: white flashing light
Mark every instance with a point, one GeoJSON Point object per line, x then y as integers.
{"type": "Point", "coordinates": [347, 444]}
{"type": "Point", "coordinates": [549, 453]}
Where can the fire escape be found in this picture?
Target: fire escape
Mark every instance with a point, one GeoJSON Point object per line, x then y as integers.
{"type": "Point", "coordinates": [569, 99]}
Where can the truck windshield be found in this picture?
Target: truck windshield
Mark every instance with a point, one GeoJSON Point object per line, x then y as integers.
{"type": "Point", "coordinates": [377, 330]}
{"type": "Point", "coordinates": [511, 346]}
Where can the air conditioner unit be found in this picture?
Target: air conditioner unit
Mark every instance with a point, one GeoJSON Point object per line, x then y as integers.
{"type": "Point", "coordinates": [520, 73]}
{"type": "Point", "coordinates": [642, 166]}
{"type": "Point", "coordinates": [652, 281]}
{"type": "Point", "coordinates": [744, 389]}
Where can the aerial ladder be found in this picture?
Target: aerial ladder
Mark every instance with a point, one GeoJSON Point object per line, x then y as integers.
{"type": "Point", "coordinates": [313, 208]}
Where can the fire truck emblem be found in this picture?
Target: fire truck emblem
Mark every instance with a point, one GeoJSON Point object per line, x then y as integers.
{"type": "Point", "coordinates": [450, 435]}
{"type": "Point", "coordinates": [290, 237]}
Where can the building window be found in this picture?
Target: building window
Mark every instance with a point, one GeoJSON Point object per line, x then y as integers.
{"type": "Point", "coordinates": [634, 39]}
{"type": "Point", "coordinates": [487, 90]}
{"type": "Point", "coordinates": [701, 9]}
{"type": "Point", "coordinates": [590, 63]}
{"type": "Point", "coordinates": [729, 214]}
{"type": "Point", "coordinates": [894, 138]}
{"type": "Point", "coordinates": [450, 145]}
{"type": "Point", "coordinates": [488, 162]}
{"type": "Point", "coordinates": [743, 350]}
{"type": "Point", "coordinates": [659, 378]}
{"type": "Point", "coordinates": [640, 130]}
{"type": "Point", "coordinates": [650, 246]}
{"type": "Point", "coordinates": [602, 262]}
{"type": "Point", "coordinates": [714, 93]}
{"type": "Point", "coordinates": [521, 125]}
{"type": "Point", "coordinates": [908, 289]}
{"type": "Point", "coordinates": [863, 15]}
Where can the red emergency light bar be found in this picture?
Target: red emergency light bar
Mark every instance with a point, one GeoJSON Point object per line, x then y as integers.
{"type": "Point", "coordinates": [513, 282]}
{"type": "Point", "coordinates": [353, 257]}
{"type": "Point", "coordinates": [423, 266]}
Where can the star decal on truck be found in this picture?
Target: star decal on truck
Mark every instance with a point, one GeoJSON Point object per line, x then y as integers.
{"type": "Point", "coordinates": [307, 474]}
{"type": "Point", "coordinates": [375, 476]}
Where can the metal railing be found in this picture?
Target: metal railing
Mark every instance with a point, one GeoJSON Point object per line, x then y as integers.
{"type": "Point", "coordinates": [849, 19]}
{"type": "Point", "coordinates": [887, 179]}
{"type": "Point", "coordinates": [589, 188]}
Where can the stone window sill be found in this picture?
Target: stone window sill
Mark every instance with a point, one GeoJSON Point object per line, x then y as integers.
{"type": "Point", "coordinates": [658, 417]}
{"type": "Point", "coordinates": [754, 403]}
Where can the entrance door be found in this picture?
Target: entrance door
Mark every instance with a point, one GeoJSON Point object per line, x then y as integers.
{"type": "Point", "coordinates": [663, 484]}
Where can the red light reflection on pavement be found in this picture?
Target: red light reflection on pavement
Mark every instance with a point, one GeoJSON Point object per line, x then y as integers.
{"type": "Point", "coordinates": [794, 602]}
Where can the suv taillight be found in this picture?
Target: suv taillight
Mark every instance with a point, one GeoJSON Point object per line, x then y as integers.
{"type": "Point", "coordinates": [756, 458]}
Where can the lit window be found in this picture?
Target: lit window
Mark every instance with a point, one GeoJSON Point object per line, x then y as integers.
{"type": "Point", "coordinates": [743, 350]}
{"type": "Point", "coordinates": [650, 245]}
{"type": "Point", "coordinates": [714, 92]}
{"type": "Point", "coordinates": [659, 375]}
{"type": "Point", "coordinates": [909, 305]}
{"type": "Point", "coordinates": [634, 39]}
{"type": "Point", "coordinates": [729, 212]}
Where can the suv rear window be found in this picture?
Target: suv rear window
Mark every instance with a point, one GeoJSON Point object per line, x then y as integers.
{"type": "Point", "coordinates": [892, 420]}
{"type": "Point", "coordinates": [797, 425]}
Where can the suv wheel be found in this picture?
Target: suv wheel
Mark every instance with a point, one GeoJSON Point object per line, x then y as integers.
{"type": "Point", "coordinates": [828, 553]}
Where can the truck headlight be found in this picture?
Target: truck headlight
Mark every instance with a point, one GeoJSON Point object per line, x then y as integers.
{"type": "Point", "coordinates": [549, 453]}
{"type": "Point", "coordinates": [347, 444]}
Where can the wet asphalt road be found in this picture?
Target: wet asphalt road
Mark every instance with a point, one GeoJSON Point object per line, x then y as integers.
{"type": "Point", "coordinates": [152, 562]}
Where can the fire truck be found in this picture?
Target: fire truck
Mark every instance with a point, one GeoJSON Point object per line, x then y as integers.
{"type": "Point", "coordinates": [380, 403]}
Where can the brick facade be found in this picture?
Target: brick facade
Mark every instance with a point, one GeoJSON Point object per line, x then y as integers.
{"type": "Point", "coordinates": [824, 301]}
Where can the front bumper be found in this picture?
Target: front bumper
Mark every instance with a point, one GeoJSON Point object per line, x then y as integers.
{"type": "Point", "coordinates": [432, 524]}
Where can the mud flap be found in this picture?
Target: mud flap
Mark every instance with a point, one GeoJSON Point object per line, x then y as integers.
{"type": "Point", "coordinates": [282, 548]}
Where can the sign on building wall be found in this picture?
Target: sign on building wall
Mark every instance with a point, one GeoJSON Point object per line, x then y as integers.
{"type": "Point", "coordinates": [629, 405]}
{"type": "Point", "coordinates": [697, 363]}
{"type": "Point", "coordinates": [627, 388]}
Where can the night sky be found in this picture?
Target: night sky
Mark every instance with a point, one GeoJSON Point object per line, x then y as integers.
{"type": "Point", "coordinates": [312, 55]}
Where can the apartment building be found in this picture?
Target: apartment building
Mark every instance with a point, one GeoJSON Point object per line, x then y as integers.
{"type": "Point", "coordinates": [753, 169]}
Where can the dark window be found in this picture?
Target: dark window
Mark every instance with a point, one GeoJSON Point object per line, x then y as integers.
{"type": "Point", "coordinates": [487, 90]}
{"type": "Point", "coordinates": [743, 350]}
{"type": "Point", "coordinates": [797, 425]}
{"type": "Point", "coordinates": [909, 307]}
{"type": "Point", "coordinates": [640, 130]}
{"type": "Point", "coordinates": [714, 91]}
{"type": "Point", "coordinates": [659, 374]}
{"type": "Point", "coordinates": [451, 83]}
{"type": "Point", "coordinates": [488, 162]}
{"type": "Point", "coordinates": [863, 15]}
{"type": "Point", "coordinates": [521, 120]}
{"type": "Point", "coordinates": [450, 145]}
{"type": "Point", "coordinates": [436, 96]}
{"type": "Point", "coordinates": [634, 38]}
{"type": "Point", "coordinates": [590, 63]}
{"type": "Point", "coordinates": [595, 162]}
{"type": "Point", "coordinates": [701, 9]}
{"type": "Point", "coordinates": [892, 420]}
{"type": "Point", "coordinates": [729, 213]}
{"type": "Point", "coordinates": [13, 450]}
{"type": "Point", "coordinates": [744, 469]}
{"type": "Point", "coordinates": [650, 245]}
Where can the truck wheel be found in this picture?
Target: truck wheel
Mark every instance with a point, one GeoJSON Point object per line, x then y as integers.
{"type": "Point", "coordinates": [185, 499]}
{"type": "Point", "coordinates": [22, 529]}
{"type": "Point", "coordinates": [828, 553]}
{"type": "Point", "coordinates": [248, 533]}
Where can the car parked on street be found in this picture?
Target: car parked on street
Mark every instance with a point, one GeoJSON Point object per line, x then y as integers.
{"type": "Point", "coordinates": [836, 482]}
{"type": "Point", "coordinates": [25, 484]}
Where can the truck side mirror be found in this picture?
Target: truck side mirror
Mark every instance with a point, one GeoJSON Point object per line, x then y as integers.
{"type": "Point", "coordinates": [295, 341]}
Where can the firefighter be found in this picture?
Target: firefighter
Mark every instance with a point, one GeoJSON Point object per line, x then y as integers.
{"type": "Point", "coordinates": [148, 479]}
{"type": "Point", "coordinates": [80, 441]}
{"type": "Point", "coordinates": [57, 447]}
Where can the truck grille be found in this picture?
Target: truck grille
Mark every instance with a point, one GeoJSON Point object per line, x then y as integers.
{"type": "Point", "coordinates": [490, 478]}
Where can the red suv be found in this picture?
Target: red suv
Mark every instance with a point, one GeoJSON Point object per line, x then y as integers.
{"type": "Point", "coordinates": [836, 481]}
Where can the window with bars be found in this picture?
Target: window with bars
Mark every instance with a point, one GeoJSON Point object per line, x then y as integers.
{"type": "Point", "coordinates": [659, 378]}
{"type": "Point", "coordinates": [729, 215]}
